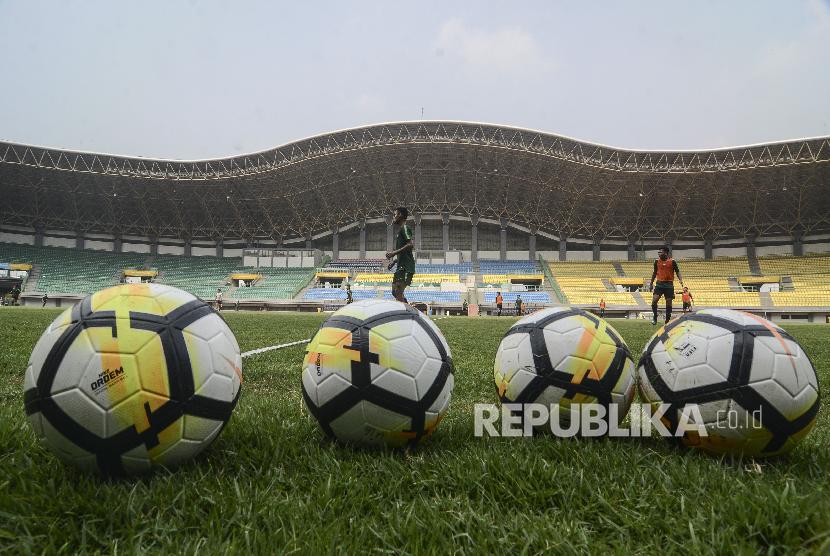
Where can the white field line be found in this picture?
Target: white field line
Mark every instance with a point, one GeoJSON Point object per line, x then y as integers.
{"type": "Point", "coordinates": [271, 348]}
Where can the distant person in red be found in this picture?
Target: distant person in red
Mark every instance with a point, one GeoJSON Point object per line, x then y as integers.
{"type": "Point", "coordinates": [664, 270]}
{"type": "Point", "coordinates": [499, 302]}
{"type": "Point", "coordinates": [602, 307]}
{"type": "Point", "coordinates": [687, 300]}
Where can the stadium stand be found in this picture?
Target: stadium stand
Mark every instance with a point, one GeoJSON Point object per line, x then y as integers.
{"type": "Point", "coordinates": [795, 266]}
{"type": "Point", "coordinates": [801, 299]}
{"type": "Point", "coordinates": [589, 291]}
{"type": "Point", "coordinates": [582, 269]}
{"type": "Point", "coordinates": [527, 297]}
{"type": "Point", "coordinates": [585, 283]}
{"type": "Point", "coordinates": [508, 278]}
{"type": "Point", "coordinates": [460, 269]}
{"type": "Point", "coordinates": [428, 296]}
{"type": "Point", "coordinates": [386, 278]}
{"type": "Point", "coordinates": [491, 266]}
{"type": "Point", "coordinates": [808, 276]}
{"type": "Point", "coordinates": [337, 294]}
{"type": "Point", "coordinates": [804, 282]}
{"type": "Point", "coordinates": [358, 265]}
{"type": "Point", "coordinates": [726, 267]}
{"type": "Point", "coordinates": [200, 276]}
{"type": "Point", "coordinates": [323, 294]}
{"type": "Point", "coordinates": [71, 271]}
{"type": "Point", "coordinates": [276, 283]}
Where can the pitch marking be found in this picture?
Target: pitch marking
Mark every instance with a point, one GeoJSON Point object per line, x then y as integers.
{"type": "Point", "coordinates": [271, 348]}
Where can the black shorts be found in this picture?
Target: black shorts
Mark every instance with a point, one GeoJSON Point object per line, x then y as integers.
{"type": "Point", "coordinates": [686, 305]}
{"type": "Point", "coordinates": [667, 291]}
{"type": "Point", "coordinates": [402, 277]}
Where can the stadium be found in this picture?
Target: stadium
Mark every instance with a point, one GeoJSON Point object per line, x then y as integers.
{"type": "Point", "coordinates": [494, 208]}
{"type": "Point", "coordinates": [107, 247]}
{"type": "Point", "coordinates": [414, 278]}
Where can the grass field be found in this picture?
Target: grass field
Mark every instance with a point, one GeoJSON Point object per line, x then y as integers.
{"type": "Point", "coordinates": [272, 484]}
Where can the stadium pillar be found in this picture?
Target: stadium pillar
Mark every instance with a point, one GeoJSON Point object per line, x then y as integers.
{"type": "Point", "coordinates": [335, 243]}
{"type": "Point", "coordinates": [563, 247]}
{"type": "Point", "coordinates": [416, 217]}
{"type": "Point", "coordinates": [80, 241]}
{"type": "Point", "coordinates": [750, 247]}
{"type": "Point", "coordinates": [632, 250]}
{"type": "Point", "coordinates": [188, 248]}
{"type": "Point", "coordinates": [531, 243]}
{"type": "Point", "coordinates": [503, 239]}
{"type": "Point", "coordinates": [390, 232]}
{"type": "Point", "coordinates": [362, 226]}
{"type": "Point", "coordinates": [707, 249]}
{"type": "Point", "coordinates": [445, 230]}
{"type": "Point", "coordinates": [220, 247]}
{"type": "Point", "coordinates": [38, 237]}
{"type": "Point", "coordinates": [474, 238]}
{"type": "Point", "coordinates": [117, 244]}
{"type": "Point", "coordinates": [798, 243]}
{"type": "Point", "coordinates": [595, 250]}
{"type": "Point", "coordinates": [308, 241]}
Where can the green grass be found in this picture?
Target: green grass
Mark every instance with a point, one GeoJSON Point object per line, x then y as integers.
{"type": "Point", "coordinates": [272, 484]}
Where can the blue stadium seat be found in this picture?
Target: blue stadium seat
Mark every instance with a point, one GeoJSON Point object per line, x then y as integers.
{"type": "Point", "coordinates": [492, 266]}
{"type": "Point", "coordinates": [510, 297]}
{"type": "Point", "coordinates": [460, 269]}
{"type": "Point", "coordinates": [429, 296]}
{"type": "Point", "coordinates": [314, 294]}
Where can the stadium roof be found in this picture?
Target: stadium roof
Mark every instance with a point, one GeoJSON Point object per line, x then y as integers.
{"type": "Point", "coordinates": [539, 180]}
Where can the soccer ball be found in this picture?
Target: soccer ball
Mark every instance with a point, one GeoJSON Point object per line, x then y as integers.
{"type": "Point", "coordinates": [132, 377]}
{"type": "Point", "coordinates": [755, 388]}
{"type": "Point", "coordinates": [378, 373]}
{"type": "Point", "coordinates": [564, 356]}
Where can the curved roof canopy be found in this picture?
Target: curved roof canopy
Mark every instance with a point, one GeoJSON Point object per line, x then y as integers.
{"type": "Point", "coordinates": [545, 182]}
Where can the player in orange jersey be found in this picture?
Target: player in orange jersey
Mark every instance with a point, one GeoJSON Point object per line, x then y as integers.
{"type": "Point", "coordinates": [664, 270]}
{"type": "Point", "coordinates": [687, 300]}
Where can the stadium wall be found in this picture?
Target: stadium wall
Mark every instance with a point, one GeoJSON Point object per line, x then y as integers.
{"type": "Point", "coordinates": [10, 237]}
{"type": "Point", "coordinates": [817, 244]}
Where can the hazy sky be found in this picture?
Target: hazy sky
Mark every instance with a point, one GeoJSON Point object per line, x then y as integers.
{"type": "Point", "coordinates": [201, 79]}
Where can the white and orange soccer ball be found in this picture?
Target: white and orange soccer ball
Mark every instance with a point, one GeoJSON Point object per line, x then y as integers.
{"type": "Point", "coordinates": [754, 386]}
{"type": "Point", "coordinates": [378, 373]}
{"type": "Point", "coordinates": [563, 357]}
{"type": "Point", "coordinates": [132, 377]}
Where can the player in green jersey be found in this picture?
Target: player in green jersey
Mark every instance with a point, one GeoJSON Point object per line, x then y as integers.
{"type": "Point", "coordinates": [404, 251]}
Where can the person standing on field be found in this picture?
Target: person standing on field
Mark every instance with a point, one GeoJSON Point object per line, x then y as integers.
{"type": "Point", "coordinates": [404, 251]}
{"type": "Point", "coordinates": [688, 299]}
{"type": "Point", "coordinates": [664, 270]}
